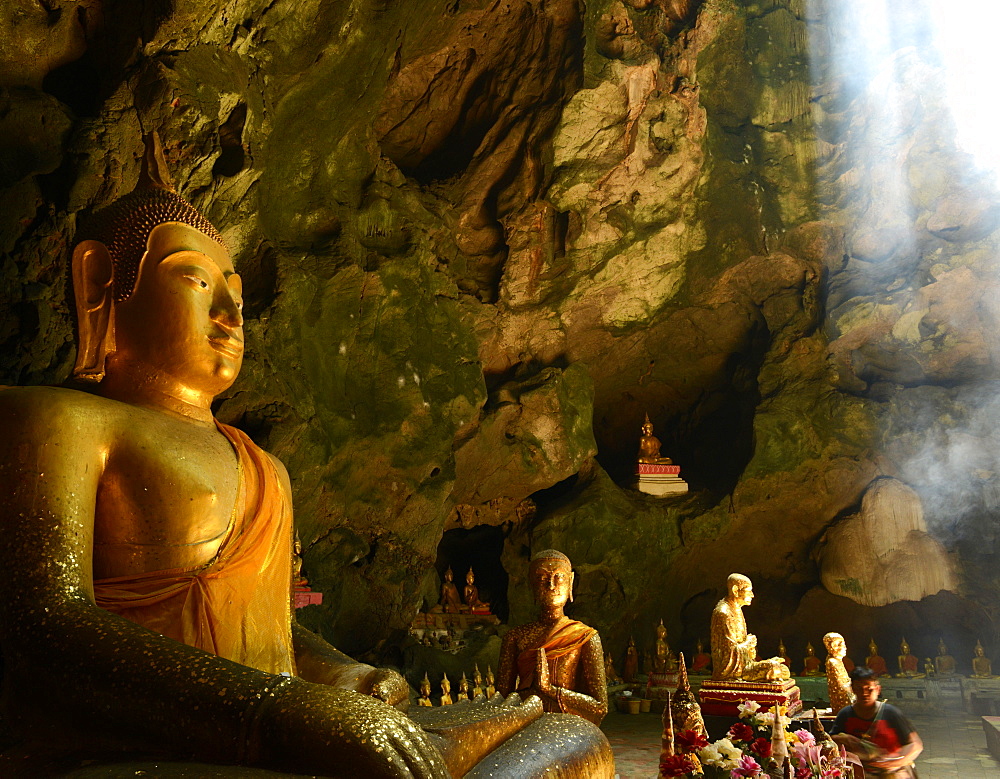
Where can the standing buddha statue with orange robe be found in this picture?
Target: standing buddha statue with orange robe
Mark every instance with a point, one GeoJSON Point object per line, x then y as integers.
{"type": "Point", "coordinates": [556, 658]}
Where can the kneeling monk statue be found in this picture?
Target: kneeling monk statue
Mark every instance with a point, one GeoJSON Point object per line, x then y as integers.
{"type": "Point", "coordinates": [145, 573]}
{"type": "Point", "coordinates": [734, 651]}
{"type": "Point", "coordinates": [556, 658]}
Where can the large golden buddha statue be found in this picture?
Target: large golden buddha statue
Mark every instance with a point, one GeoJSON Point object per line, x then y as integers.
{"type": "Point", "coordinates": [556, 658]}
{"type": "Point", "coordinates": [145, 574]}
{"type": "Point", "coordinates": [734, 651]}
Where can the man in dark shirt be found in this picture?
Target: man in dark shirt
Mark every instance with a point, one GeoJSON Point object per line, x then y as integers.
{"type": "Point", "coordinates": [876, 731]}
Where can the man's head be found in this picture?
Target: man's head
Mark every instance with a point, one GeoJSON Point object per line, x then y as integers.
{"type": "Point", "coordinates": [157, 296]}
{"type": "Point", "coordinates": [865, 685]}
{"type": "Point", "coordinates": [550, 575]}
{"type": "Point", "coordinates": [740, 589]}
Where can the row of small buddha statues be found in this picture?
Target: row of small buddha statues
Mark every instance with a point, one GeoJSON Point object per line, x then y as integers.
{"type": "Point", "coordinates": [908, 665]}
{"type": "Point", "coordinates": [465, 692]}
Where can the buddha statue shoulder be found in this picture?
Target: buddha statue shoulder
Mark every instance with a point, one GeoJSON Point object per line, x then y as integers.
{"type": "Point", "coordinates": [982, 668]}
{"type": "Point", "coordinates": [734, 650]}
{"type": "Point", "coordinates": [556, 658]}
{"type": "Point", "coordinates": [127, 506]}
{"type": "Point", "coordinates": [944, 663]}
{"type": "Point", "coordinates": [838, 683]}
{"type": "Point", "coordinates": [649, 446]}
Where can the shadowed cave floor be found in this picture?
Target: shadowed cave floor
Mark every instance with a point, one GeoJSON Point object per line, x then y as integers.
{"type": "Point", "coordinates": [954, 746]}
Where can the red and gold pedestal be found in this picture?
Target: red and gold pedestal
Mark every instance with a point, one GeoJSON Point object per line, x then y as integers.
{"type": "Point", "coordinates": [721, 698]}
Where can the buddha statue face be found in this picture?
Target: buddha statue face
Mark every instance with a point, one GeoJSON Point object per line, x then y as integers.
{"type": "Point", "coordinates": [904, 648]}
{"type": "Point", "coordinates": [835, 646]}
{"type": "Point", "coordinates": [647, 429]}
{"type": "Point", "coordinates": [551, 582]}
{"type": "Point", "coordinates": [470, 577]}
{"type": "Point", "coordinates": [661, 631]}
{"type": "Point", "coordinates": [872, 647]}
{"type": "Point", "coordinates": [980, 652]}
{"type": "Point", "coordinates": [942, 648]}
{"type": "Point", "coordinates": [183, 321]}
{"type": "Point", "coordinates": [741, 590]}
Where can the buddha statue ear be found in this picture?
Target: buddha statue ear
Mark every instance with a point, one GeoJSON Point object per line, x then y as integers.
{"type": "Point", "coordinates": [92, 287]}
{"type": "Point", "coordinates": [572, 578]}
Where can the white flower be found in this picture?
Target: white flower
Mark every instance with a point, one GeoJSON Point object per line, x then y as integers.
{"type": "Point", "coordinates": [710, 755]}
{"type": "Point", "coordinates": [748, 709]}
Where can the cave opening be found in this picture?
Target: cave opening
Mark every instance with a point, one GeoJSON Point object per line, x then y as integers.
{"type": "Point", "coordinates": [479, 548]}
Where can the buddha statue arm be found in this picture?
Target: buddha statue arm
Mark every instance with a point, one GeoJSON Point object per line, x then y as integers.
{"type": "Point", "coordinates": [317, 661]}
{"type": "Point", "coordinates": [506, 681]}
{"type": "Point", "coordinates": [75, 671]}
{"type": "Point", "coordinates": [589, 696]}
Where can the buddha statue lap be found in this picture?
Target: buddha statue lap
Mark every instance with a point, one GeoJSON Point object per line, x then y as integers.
{"type": "Point", "coordinates": [982, 668]}
{"type": "Point", "coordinates": [734, 651]}
{"type": "Point", "coordinates": [838, 683]}
{"type": "Point", "coordinates": [143, 611]}
{"type": "Point", "coordinates": [556, 658]}
{"type": "Point", "coordinates": [944, 663]}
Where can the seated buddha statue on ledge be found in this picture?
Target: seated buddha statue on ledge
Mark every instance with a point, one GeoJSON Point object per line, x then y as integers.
{"type": "Point", "coordinates": [649, 446]}
{"type": "Point", "coordinates": [146, 570]}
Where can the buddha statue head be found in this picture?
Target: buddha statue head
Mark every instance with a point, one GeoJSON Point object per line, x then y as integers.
{"type": "Point", "coordinates": [835, 645]}
{"type": "Point", "coordinates": [904, 647]}
{"type": "Point", "coordinates": [470, 577]}
{"type": "Point", "coordinates": [661, 631]}
{"type": "Point", "coordinates": [872, 648]}
{"type": "Point", "coordinates": [425, 687]}
{"type": "Point", "coordinates": [157, 299]}
{"type": "Point", "coordinates": [980, 652]}
{"type": "Point", "coordinates": [550, 575]}
{"type": "Point", "coordinates": [739, 589]}
{"type": "Point", "coordinates": [942, 647]}
{"type": "Point", "coordinates": [810, 650]}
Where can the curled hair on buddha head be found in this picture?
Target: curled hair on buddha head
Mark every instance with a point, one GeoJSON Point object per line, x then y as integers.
{"type": "Point", "coordinates": [124, 226]}
{"type": "Point", "coordinates": [862, 672]}
{"type": "Point", "coordinates": [548, 554]}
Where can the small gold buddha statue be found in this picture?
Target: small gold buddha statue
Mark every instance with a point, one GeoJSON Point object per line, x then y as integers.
{"type": "Point", "coordinates": [663, 660]}
{"type": "Point", "coordinates": [477, 681]}
{"type": "Point", "coordinates": [982, 668]}
{"type": "Point", "coordinates": [909, 665]}
{"type": "Point", "coordinates": [472, 601]}
{"type": "Point", "coordinates": [734, 650]}
{"type": "Point", "coordinates": [875, 661]}
{"type": "Point", "coordinates": [631, 672]}
{"type": "Point", "coordinates": [450, 602]}
{"type": "Point", "coordinates": [491, 689]}
{"type": "Point", "coordinates": [425, 692]}
{"type": "Point", "coordinates": [446, 691]}
{"type": "Point", "coordinates": [838, 683]}
{"type": "Point", "coordinates": [944, 663]}
{"type": "Point", "coordinates": [463, 688]}
{"type": "Point", "coordinates": [556, 658]}
{"type": "Point", "coordinates": [610, 674]}
{"type": "Point", "coordinates": [929, 667]}
{"type": "Point", "coordinates": [783, 654]}
{"type": "Point", "coordinates": [649, 446]}
{"type": "Point", "coordinates": [811, 664]}
{"type": "Point", "coordinates": [702, 660]}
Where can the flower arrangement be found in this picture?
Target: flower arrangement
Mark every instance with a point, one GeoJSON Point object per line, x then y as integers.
{"type": "Point", "coordinates": [756, 746]}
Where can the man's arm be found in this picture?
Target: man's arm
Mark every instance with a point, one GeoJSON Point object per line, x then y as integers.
{"type": "Point", "coordinates": [73, 669]}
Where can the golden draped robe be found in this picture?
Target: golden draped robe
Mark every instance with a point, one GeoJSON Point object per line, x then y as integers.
{"type": "Point", "coordinates": [238, 605]}
{"type": "Point", "coordinates": [566, 639]}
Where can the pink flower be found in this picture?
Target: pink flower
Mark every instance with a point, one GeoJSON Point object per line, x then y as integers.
{"type": "Point", "coordinates": [746, 767]}
{"type": "Point", "coordinates": [740, 731]}
{"type": "Point", "coordinates": [691, 741]}
{"type": "Point", "coordinates": [805, 737]}
{"type": "Point", "coordinates": [676, 765]}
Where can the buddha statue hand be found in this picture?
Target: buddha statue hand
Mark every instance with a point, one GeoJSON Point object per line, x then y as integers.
{"type": "Point", "coordinates": [543, 681]}
{"type": "Point", "coordinates": [304, 726]}
{"type": "Point", "coordinates": [387, 685]}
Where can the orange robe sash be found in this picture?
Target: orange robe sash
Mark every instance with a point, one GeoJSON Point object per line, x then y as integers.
{"type": "Point", "coordinates": [565, 639]}
{"type": "Point", "coordinates": [237, 606]}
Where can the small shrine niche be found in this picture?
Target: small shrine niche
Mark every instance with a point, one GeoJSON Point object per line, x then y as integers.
{"type": "Point", "coordinates": [478, 549]}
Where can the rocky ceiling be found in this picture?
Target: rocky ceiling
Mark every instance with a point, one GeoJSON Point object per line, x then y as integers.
{"type": "Point", "coordinates": [482, 238]}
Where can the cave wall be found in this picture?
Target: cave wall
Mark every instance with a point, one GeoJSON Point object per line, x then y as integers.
{"type": "Point", "coordinates": [481, 239]}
